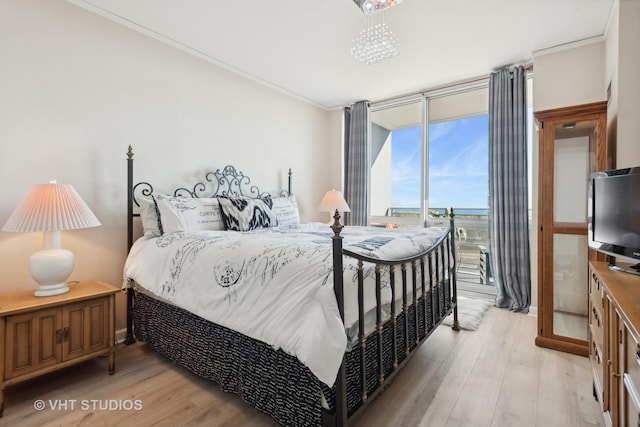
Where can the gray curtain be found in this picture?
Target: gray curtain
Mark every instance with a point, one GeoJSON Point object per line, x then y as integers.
{"type": "Point", "coordinates": [508, 198]}
{"type": "Point", "coordinates": [357, 170]}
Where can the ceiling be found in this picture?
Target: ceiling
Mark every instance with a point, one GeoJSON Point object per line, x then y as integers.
{"type": "Point", "coordinates": [302, 47]}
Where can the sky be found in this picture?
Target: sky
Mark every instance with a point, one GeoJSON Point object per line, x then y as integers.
{"type": "Point", "coordinates": [458, 164]}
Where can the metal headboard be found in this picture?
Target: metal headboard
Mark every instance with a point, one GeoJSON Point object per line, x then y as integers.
{"type": "Point", "coordinates": [227, 181]}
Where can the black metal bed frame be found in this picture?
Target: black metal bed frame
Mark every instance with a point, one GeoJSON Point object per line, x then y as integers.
{"type": "Point", "coordinates": [404, 332]}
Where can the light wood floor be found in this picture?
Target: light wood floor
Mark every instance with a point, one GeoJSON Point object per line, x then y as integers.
{"type": "Point", "coordinates": [494, 376]}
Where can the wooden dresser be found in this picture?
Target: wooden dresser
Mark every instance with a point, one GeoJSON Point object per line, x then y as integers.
{"type": "Point", "coordinates": [42, 334]}
{"type": "Point", "coordinates": [614, 343]}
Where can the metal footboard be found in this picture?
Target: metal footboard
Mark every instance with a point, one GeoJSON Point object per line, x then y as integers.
{"type": "Point", "coordinates": [427, 281]}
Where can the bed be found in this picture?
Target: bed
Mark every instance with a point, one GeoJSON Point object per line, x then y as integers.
{"type": "Point", "coordinates": [306, 322]}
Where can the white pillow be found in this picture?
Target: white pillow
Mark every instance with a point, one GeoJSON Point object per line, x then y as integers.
{"type": "Point", "coordinates": [149, 217]}
{"type": "Point", "coordinates": [188, 214]}
{"type": "Point", "coordinates": [286, 210]}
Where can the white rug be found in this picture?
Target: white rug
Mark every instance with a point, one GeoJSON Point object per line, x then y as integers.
{"type": "Point", "coordinates": [470, 313]}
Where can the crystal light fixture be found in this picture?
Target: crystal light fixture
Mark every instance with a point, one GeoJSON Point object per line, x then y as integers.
{"type": "Point", "coordinates": [373, 6]}
{"type": "Point", "coordinates": [376, 41]}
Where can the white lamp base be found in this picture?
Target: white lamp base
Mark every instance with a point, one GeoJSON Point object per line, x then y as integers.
{"type": "Point", "coordinates": [50, 268]}
{"type": "Point", "coordinates": [47, 291]}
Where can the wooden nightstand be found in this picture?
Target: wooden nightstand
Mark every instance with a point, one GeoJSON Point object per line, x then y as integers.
{"type": "Point", "coordinates": [42, 334]}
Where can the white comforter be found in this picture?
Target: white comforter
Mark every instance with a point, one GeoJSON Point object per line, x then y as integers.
{"type": "Point", "coordinates": [274, 285]}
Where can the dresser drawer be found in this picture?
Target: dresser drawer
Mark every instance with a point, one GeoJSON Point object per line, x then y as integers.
{"type": "Point", "coordinates": [596, 358]}
{"type": "Point", "coordinates": [596, 290]}
{"type": "Point", "coordinates": [594, 282]}
{"type": "Point", "coordinates": [632, 360]}
{"type": "Point", "coordinates": [596, 321]}
{"type": "Point", "coordinates": [631, 402]}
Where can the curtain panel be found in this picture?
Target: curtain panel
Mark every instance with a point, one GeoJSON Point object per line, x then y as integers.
{"type": "Point", "coordinates": [508, 189]}
{"type": "Point", "coordinates": [357, 170]}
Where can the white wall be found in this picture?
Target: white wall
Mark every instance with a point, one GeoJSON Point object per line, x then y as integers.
{"type": "Point", "coordinates": [611, 75]}
{"type": "Point", "coordinates": [622, 65]}
{"type": "Point", "coordinates": [569, 76]}
{"type": "Point", "coordinates": [77, 89]}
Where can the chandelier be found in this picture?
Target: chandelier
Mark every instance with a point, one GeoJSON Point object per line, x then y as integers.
{"type": "Point", "coordinates": [372, 6]}
{"type": "Point", "coordinates": [376, 41]}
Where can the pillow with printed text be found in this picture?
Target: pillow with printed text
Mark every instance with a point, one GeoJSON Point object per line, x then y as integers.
{"type": "Point", "coordinates": [188, 214]}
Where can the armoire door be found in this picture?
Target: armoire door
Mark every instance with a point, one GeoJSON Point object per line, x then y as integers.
{"type": "Point", "coordinates": [572, 144]}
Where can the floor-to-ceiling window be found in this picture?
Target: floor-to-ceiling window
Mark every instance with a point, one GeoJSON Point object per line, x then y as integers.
{"type": "Point", "coordinates": [430, 153]}
{"type": "Point", "coordinates": [458, 175]}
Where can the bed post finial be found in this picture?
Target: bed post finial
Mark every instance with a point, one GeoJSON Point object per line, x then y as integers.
{"type": "Point", "coordinates": [336, 226]}
{"type": "Point", "coordinates": [130, 153]}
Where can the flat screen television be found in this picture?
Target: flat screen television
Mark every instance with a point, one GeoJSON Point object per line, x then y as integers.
{"type": "Point", "coordinates": [614, 214]}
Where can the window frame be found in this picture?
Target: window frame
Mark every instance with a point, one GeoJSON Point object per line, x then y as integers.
{"type": "Point", "coordinates": [424, 98]}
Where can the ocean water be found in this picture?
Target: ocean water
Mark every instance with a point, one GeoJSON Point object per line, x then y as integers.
{"type": "Point", "coordinates": [441, 211]}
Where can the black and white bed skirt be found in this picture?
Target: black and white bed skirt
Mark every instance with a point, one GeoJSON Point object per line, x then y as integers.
{"type": "Point", "coordinates": [273, 381]}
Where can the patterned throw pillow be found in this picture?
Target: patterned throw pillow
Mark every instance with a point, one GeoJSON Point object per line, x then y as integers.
{"type": "Point", "coordinates": [286, 210]}
{"type": "Point", "coordinates": [187, 214]}
{"type": "Point", "coordinates": [245, 214]}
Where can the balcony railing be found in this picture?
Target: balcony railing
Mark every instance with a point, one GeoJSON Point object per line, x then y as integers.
{"type": "Point", "coordinates": [472, 233]}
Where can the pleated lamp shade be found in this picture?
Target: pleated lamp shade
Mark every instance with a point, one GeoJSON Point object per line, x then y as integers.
{"type": "Point", "coordinates": [51, 208]}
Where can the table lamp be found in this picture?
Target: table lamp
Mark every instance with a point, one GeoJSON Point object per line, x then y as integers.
{"type": "Point", "coordinates": [332, 202]}
{"type": "Point", "coordinates": [51, 208]}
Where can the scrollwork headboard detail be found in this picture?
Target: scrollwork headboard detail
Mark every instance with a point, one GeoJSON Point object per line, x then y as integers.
{"type": "Point", "coordinates": [227, 181]}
